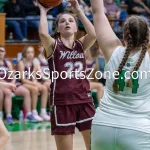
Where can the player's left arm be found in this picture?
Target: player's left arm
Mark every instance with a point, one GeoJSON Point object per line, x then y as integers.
{"type": "Point", "coordinates": [89, 39]}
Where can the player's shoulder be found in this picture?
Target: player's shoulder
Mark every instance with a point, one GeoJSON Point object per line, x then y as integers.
{"type": "Point", "coordinates": [36, 60]}
{"type": "Point", "coordinates": [21, 62]}
{"type": "Point", "coordinates": [116, 56]}
{"type": "Point", "coordinates": [118, 52]}
{"type": "Point", "coordinates": [7, 62]}
{"type": "Point", "coordinates": [78, 43]}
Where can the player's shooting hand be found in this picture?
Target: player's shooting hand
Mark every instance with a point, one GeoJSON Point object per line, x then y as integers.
{"type": "Point", "coordinates": [74, 6]}
{"type": "Point", "coordinates": [35, 3]}
{"type": "Point", "coordinates": [42, 8]}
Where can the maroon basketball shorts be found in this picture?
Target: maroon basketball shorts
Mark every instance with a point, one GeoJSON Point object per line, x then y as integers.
{"type": "Point", "coordinates": [64, 118]}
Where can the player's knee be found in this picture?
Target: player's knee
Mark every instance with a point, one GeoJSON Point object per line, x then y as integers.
{"type": "Point", "coordinates": [8, 93]}
{"type": "Point", "coordinates": [44, 88]}
{"type": "Point", "coordinates": [1, 92]}
{"type": "Point", "coordinates": [26, 92]}
{"type": "Point", "coordinates": [35, 90]}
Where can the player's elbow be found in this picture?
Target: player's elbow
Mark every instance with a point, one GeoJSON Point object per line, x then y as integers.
{"type": "Point", "coordinates": [43, 35]}
{"type": "Point", "coordinates": [94, 11]}
{"type": "Point", "coordinates": [93, 35]}
{"type": "Point", "coordinates": [97, 11]}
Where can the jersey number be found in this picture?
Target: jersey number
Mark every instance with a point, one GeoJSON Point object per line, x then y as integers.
{"type": "Point", "coordinates": [121, 82]}
{"type": "Point", "coordinates": [77, 66]}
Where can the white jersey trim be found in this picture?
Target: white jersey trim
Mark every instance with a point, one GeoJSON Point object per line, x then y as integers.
{"type": "Point", "coordinates": [53, 50]}
{"type": "Point", "coordinates": [80, 44]}
{"type": "Point", "coordinates": [112, 56]}
{"type": "Point", "coordinates": [68, 124]}
{"type": "Point", "coordinates": [54, 83]}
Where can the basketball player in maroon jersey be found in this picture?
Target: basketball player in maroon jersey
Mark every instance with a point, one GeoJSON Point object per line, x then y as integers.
{"type": "Point", "coordinates": [41, 61]}
{"type": "Point", "coordinates": [71, 99]}
{"type": "Point", "coordinates": [28, 65]}
{"type": "Point", "coordinates": [5, 71]}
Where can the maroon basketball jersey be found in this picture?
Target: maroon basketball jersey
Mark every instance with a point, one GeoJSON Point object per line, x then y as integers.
{"type": "Point", "coordinates": [68, 88]}
{"type": "Point", "coordinates": [28, 70]}
{"type": "Point", "coordinates": [44, 66]}
{"type": "Point", "coordinates": [5, 72]}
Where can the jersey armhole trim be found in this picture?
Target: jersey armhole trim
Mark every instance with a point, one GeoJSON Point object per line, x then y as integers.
{"type": "Point", "coordinates": [80, 44]}
{"type": "Point", "coordinates": [112, 56]}
{"type": "Point", "coordinates": [53, 50]}
{"type": "Point", "coordinates": [6, 63]}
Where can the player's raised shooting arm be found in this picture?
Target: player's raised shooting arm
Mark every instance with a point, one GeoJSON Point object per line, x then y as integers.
{"type": "Point", "coordinates": [106, 37]}
{"type": "Point", "coordinates": [47, 40]}
{"type": "Point", "coordinates": [89, 39]}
